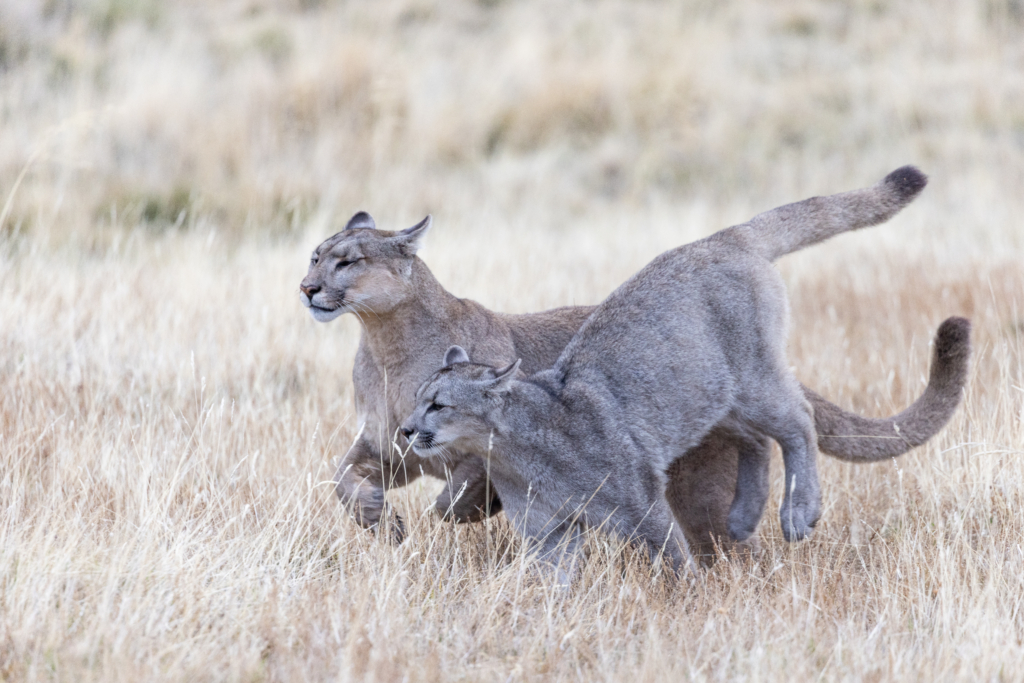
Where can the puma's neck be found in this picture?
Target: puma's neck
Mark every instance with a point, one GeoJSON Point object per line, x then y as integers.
{"type": "Point", "coordinates": [402, 334]}
{"type": "Point", "coordinates": [533, 426]}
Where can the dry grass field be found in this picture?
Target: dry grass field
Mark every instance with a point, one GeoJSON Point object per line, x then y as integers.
{"type": "Point", "coordinates": [170, 415]}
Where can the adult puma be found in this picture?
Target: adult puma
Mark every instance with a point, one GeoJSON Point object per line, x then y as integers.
{"type": "Point", "coordinates": [694, 342]}
{"type": "Point", "coordinates": [408, 321]}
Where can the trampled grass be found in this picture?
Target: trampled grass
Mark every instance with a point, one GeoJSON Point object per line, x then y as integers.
{"type": "Point", "coordinates": [169, 413]}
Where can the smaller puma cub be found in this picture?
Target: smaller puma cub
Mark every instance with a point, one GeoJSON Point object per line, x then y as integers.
{"type": "Point", "coordinates": [692, 343]}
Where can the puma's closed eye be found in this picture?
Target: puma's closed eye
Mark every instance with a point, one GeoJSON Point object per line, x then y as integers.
{"type": "Point", "coordinates": [435, 407]}
{"type": "Point", "coordinates": [341, 264]}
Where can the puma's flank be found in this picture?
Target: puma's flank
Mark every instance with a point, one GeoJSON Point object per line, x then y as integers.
{"type": "Point", "coordinates": [409, 319]}
{"type": "Point", "coordinates": [693, 342]}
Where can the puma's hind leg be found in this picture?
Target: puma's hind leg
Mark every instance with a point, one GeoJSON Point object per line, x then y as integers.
{"type": "Point", "coordinates": [754, 461]}
{"type": "Point", "coordinates": [784, 415]}
{"type": "Point", "coordinates": [700, 490]}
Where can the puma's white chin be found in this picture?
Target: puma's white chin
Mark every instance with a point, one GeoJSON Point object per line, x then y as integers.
{"type": "Point", "coordinates": [325, 315]}
{"type": "Point", "coordinates": [434, 451]}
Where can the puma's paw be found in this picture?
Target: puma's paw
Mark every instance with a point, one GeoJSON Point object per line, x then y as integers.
{"type": "Point", "coordinates": [742, 527]}
{"type": "Point", "coordinates": [390, 527]}
{"type": "Point", "coordinates": [798, 520]}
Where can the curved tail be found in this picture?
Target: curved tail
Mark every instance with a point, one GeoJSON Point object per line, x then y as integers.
{"type": "Point", "coordinates": [794, 226]}
{"type": "Point", "coordinates": [859, 439]}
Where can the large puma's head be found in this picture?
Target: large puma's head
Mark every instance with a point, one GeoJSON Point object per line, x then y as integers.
{"type": "Point", "coordinates": [459, 406]}
{"type": "Point", "coordinates": [361, 269]}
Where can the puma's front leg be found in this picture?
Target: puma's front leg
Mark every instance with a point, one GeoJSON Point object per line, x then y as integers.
{"type": "Point", "coordinates": [560, 553]}
{"type": "Point", "coordinates": [359, 484]}
{"type": "Point", "coordinates": [468, 494]}
{"type": "Point", "coordinates": [556, 541]}
{"type": "Point", "coordinates": [660, 533]}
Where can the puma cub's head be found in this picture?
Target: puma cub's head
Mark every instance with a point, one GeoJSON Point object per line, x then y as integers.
{"type": "Point", "coordinates": [459, 406]}
{"type": "Point", "coordinates": [361, 269]}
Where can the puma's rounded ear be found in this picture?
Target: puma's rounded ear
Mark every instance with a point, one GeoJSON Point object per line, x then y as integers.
{"type": "Point", "coordinates": [411, 239]}
{"type": "Point", "coordinates": [361, 220]}
{"type": "Point", "coordinates": [503, 377]}
{"type": "Point", "coordinates": [455, 354]}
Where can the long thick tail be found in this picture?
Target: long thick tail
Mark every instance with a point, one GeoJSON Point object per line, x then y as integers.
{"type": "Point", "coordinates": [794, 226]}
{"type": "Point", "coordinates": [859, 439]}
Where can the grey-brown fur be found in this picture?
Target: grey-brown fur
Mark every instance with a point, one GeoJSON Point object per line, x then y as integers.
{"type": "Point", "coordinates": [409, 320]}
{"type": "Point", "coordinates": [951, 353]}
{"type": "Point", "coordinates": [693, 342]}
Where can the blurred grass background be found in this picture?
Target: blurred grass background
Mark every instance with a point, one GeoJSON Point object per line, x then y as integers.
{"type": "Point", "coordinates": [265, 117]}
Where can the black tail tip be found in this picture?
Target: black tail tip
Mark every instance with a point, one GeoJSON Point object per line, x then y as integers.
{"type": "Point", "coordinates": [906, 181]}
{"type": "Point", "coordinates": [953, 338]}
